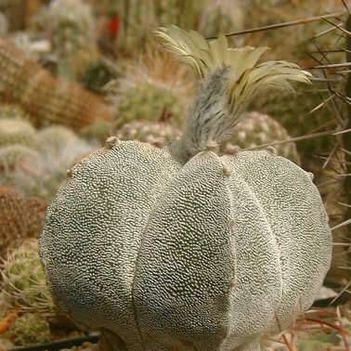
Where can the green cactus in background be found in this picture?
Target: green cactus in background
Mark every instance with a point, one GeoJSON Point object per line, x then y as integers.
{"type": "Point", "coordinates": [73, 36]}
{"type": "Point", "coordinates": [255, 129]}
{"type": "Point", "coordinates": [188, 249]}
{"type": "Point", "coordinates": [149, 102]}
{"type": "Point", "coordinates": [156, 133]}
{"type": "Point", "coordinates": [17, 132]}
{"type": "Point", "coordinates": [153, 89]}
{"type": "Point", "coordinates": [30, 328]}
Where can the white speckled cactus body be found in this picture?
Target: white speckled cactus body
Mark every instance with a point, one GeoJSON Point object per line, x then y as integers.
{"type": "Point", "coordinates": [183, 249]}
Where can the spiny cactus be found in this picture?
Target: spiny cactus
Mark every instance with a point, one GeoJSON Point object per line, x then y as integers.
{"type": "Point", "coordinates": [23, 281]}
{"type": "Point", "coordinates": [17, 132]}
{"type": "Point", "coordinates": [152, 89]}
{"type": "Point", "coordinates": [48, 100]}
{"type": "Point", "coordinates": [181, 248]}
{"type": "Point", "coordinates": [30, 328]}
{"type": "Point", "coordinates": [256, 129]}
{"type": "Point", "coordinates": [36, 208]}
{"type": "Point", "coordinates": [20, 218]}
{"type": "Point", "coordinates": [149, 102]}
{"type": "Point", "coordinates": [155, 133]}
{"type": "Point", "coordinates": [73, 36]}
{"type": "Point", "coordinates": [13, 219]}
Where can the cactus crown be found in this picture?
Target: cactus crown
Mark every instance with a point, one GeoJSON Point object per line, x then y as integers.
{"type": "Point", "coordinates": [231, 78]}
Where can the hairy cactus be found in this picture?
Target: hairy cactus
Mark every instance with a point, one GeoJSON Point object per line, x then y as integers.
{"type": "Point", "coordinates": [48, 100]}
{"type": "Point", "coordinates": [181, 248]}
{"type": "Point", "coordinates": [17, 132]}
{"type": "Point", "coordinates": [73, 36]}
{"type": "Point", "coordinates": [155, 133]}
{"type": "Point", "coordinates": [255, 129]}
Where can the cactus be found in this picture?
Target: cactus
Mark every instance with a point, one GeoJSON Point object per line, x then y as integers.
{"type": "Point", "coordinates": [56, 137]}
{"type": "Point", "coordinates": [17, 132]}
{"type": "Point", "coordinates": [20, 218]}
{"type": "Point", "coordinates": [30, 328]}
{"type": "Point", "coordinates": [255, 129]}
{"type": "Point", "coordinates": [18, 156]}
{"type": "Point", "coordinates": [23, 281]}
{"type": "Point", "coordinates": [191, 250]}
{"type": "Point", "coordinates": [73, 36]}
{"type": "Point", "coordinates": [155, 133]}
{"type": "Point", "coordinates": [48, 100]}
{"type": "Point", "coordinates": [154, 89]}
{"type": "Point", "coordinates": [36, 208]}
{"type": "Point", "coordinates": [12, 112]}
{"type": "Point", "coordinates": [13, 219]}
{"type": "Point", "coordinates": [149, 102]}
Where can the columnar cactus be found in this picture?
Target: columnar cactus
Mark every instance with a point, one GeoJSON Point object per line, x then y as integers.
{"type": "Point", "coordinates": [46, 99]}
{"type": "Point", "coordinates": [181, 248]}
{"type": "Point", "coordinates": [73, 36]}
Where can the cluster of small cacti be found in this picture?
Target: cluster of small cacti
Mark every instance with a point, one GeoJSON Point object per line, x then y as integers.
{"type": "Point", "coordinates": [73, 36]}
{"type": "Point", "coordinates": [48, 100]}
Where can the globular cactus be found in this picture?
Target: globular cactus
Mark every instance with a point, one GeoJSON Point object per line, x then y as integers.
{"type": "Point", "coordinates": [8, 111]}
{"type": "Point", "coordinates": [17, 132]}
{"type": "Point", "coordinates": [36, 208]}
{"type": "Point", "coordinates": [255, 129]}
{"type": "Point", "coordinates": [13, 219]}
{"type": "Point", "coordinates": [153, 89]}
{"type": "Point", "coordinates": [20, 218]}
{"type": "Point", "coordinates": [156, 133]}
{"type": "Point", "coordinates": [73, 36]}
{"type": "Point", "coordinates": [30, 328]}
{"type": "Point", "coordinates": [56, 137]}
{"type": "Point", "coordinates": [23, 281]}
{"type": "Point", "coordinates": [48, 100]}
{"type": "Point", "coordinates": [149, 102]}
{"type": "Point", "coordinates": [183, 249]}
{"type": "Point", "coordinates": [18, 156]}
